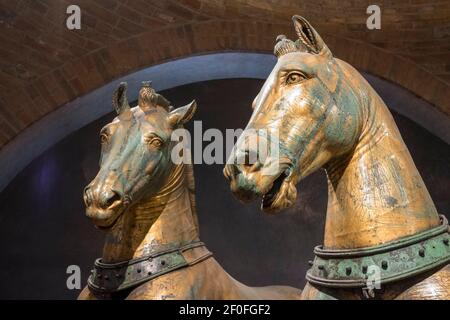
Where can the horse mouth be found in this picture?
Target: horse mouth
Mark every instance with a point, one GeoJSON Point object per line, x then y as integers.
{"type": "Point", "coordinates": [281, 195]}
{"type": "Point", "coordinates": [105, 219]}
{"type": "Point", "coordinates": [269, 198]}
{"type": "Point", "coordinates": [109, 225]}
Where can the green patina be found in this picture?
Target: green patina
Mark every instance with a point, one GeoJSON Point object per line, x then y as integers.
{"type": "Point", "coordinates": [113, 277]}
{"type": "Point", "coordinates": [395, 261]}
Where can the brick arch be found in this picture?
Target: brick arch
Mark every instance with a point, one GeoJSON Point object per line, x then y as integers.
{"type": "Point", "coordinates": [394, 68]}
{"type": "Point", "coordinates": [29, 103]}
{"type": "Point", "coordinates": [80, 112]}
{"type": "Point", "coordinates": [43, 65]}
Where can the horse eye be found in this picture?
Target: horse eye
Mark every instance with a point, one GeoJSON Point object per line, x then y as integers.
{"type": "Point", "coordinates": [294, 77]}
{"type": "Point", "coordinates": [156, 142]}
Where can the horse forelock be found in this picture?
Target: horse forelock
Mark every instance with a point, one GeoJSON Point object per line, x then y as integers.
{"type": "Point", "coordinates": [284, 46]}
{"type": "Point", "coordinates": [150, 99]}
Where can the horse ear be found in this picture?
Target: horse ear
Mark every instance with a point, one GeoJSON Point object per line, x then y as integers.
{"type": "Point", "coordinates": [309, 37]}
{"type": "Point", "coordinates": [119, 99]}
{"type": "Point", "coordinates": [182, 115]}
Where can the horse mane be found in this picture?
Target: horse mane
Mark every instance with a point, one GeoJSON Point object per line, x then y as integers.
{"type": "Point", "coordinates": [190, 180]}
{"type": "Point", "coordinates": [284, 46]}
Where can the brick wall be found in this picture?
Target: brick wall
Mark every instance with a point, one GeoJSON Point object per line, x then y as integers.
{"type": "Point", "coordinates": [43, 65]}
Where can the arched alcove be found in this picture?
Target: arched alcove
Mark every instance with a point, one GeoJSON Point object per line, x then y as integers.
{"type": "Point", "coordinates": [83, 110]}
{"type": "Point", "coordinates": [42, 212]}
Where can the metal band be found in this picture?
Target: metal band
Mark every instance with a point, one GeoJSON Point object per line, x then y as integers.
{"type": "Point", "coordinates": [114, 277]}
{"type": "Point", "coordinates": [393, 261]}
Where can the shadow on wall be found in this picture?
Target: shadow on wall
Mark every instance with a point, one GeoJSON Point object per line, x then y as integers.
{"type": "Point", "coordinates": [43, 229]}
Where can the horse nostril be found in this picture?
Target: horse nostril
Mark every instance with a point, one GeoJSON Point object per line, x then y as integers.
{"type": "Point", "coordinates": [87, 196]}
{"type": "Point", "coordinates": [231, 171]}
{"type": "Point", "coordinates": [250, 158]}
{"type": "Point", "coordinates": [226, 173]}
{"type": "Point", "coordinates": [110, 198]}
{"type": "Point", "coordinates": [249, 161]}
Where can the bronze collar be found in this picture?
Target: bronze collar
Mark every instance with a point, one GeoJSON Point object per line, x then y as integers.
{"type": "Point", "coordinates": [107, 278]}
{"type": "Point", "coordinates": [392, 261]}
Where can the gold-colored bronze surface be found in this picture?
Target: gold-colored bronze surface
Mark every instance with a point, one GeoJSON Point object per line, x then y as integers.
{"type": "Point", "coordinates": [325, 115]}
{"type": "Point", "coordinates": [145, 202]}
{"type": "Point", "coordinates": [434, 285]}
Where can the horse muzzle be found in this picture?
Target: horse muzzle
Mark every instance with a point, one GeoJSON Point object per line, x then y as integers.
{"type": "Point", "coordinates": [276, 187]}
{"type": "Point", "coordinates": [104, 205]}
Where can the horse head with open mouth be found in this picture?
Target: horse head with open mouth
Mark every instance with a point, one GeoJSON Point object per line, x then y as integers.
{"type": "Point", "coordinates": [318, 112]}
{"type": "Point", "coordinates": [308, 108]}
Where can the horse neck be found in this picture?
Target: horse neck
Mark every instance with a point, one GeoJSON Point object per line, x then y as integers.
{"type": "Point", "coordinates": [167, 219]}
{"type": "Point", "coordinates": [375, 193]}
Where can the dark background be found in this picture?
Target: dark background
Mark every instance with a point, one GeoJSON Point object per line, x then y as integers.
{"type": "Point", "coordinates": [43, 229]}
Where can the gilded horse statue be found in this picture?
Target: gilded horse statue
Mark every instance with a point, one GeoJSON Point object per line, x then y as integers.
{"type": "Point", "coordinates": [383, 236]}
{"type": "Point", "coordinates": [145, 202]}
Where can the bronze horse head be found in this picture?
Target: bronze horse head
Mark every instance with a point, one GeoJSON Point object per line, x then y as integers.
{"type": "Point", "coordinates": [321, 113]}
{"type": "Point", "coordinates": [314, 113]}
{"type": "Point", "coordinates": [144, 198]}
{"type": "Point", "coordinates": [135, 156]}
